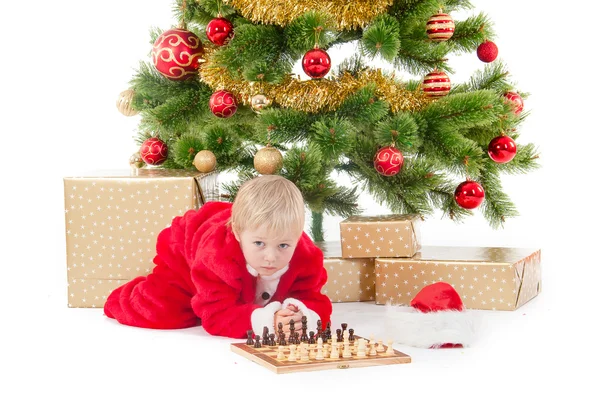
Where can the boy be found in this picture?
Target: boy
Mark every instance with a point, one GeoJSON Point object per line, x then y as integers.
{"type": "Point", "coordinates": [231, 268]}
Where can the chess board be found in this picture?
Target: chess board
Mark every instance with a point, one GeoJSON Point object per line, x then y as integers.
{"type": "Point", "coordinates": [267, 357]}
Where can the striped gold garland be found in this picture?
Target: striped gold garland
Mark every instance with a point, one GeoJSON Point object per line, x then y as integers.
{"type": "Point", "coordinates": [348, 14]}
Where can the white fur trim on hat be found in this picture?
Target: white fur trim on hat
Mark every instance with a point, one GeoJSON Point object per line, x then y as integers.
{"type": "Point", "coordinates": [406, 325]}
{"type": "Point", "coordinates": [311, 316]}
{"type": "Point", "coordinates": [264, 316]}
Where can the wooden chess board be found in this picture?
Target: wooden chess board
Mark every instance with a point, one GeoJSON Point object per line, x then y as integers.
{"type": "Point", "coordinates": [267, 357]}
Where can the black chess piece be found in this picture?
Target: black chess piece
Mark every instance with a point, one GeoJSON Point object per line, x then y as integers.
{"type": "Point", "coordinates": [250, 333]}
{"type": "Point", "coordinates": [328, 330]}
{"type": "Point", "coordinates": [311, 338]}
{"type": "Point", "coordinates": [272, 339]}
{"type": "Point", "coordinates": [292, 330]}
{"type": "Point", "coordinates": [282, 341]}
{"type": "Point", "coordinates": [344, 327]}
{"type": "Point", "coordinates": [265, 333]}
{"type": "Point", "coordinates": [324, 337]}
{"type": "Point", "coordinates": [257, 342]}
{"type": "Point", "coordinates": [297, 338]}
{"type": "Point", "coordinates": [280, 326]}
{"type": "Point", "coordinates": [351, 334]}
{"type": "Point", "coordinates": [338, 332]}
{"type": "Point", "coordinates": [319, 328]}
{"type": "Point", "coordinates": [304, 337]}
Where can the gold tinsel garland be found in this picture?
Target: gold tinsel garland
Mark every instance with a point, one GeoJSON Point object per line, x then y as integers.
{"type": "Point", "coordinates": [313, 96]}
{"type": "Point", "coordinates": [348, 14]}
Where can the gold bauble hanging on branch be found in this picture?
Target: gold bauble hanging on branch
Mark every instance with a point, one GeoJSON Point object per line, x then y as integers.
{"type": "Point", "coordinates": [124, 103]}
{"type": "Point", "coordinates": [268, 160]}
{"type": "Point", "coordinates": [205, 161]}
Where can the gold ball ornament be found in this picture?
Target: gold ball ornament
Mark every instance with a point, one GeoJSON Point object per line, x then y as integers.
{"type": "Point", "coordinates": [124, 103]}
{"type": "Point", "coordinates": [205, 161]}
{"type": "Point", "coordinates": [268, 160]}
{"type": "Point", "coordinates": [136, 161]}
{"type": "Point", "coordinates": [258, 102]}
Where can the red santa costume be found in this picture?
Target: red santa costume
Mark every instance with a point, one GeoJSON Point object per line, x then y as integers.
{"type": "Point", "coordinates": [201, 277]}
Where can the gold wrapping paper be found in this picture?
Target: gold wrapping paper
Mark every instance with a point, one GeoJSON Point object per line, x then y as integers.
{"type": "Point", "coordinates": [393, 235]}
{"type": "Point", "coordinates": [486, 278]}
{"type": "Point", "coordinates": [112, 221]}
{"type": "Point", "coordinates": [348, 280]}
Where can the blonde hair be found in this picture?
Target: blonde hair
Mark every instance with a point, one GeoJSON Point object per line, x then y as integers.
{"type": "Point", "coordinates": [268, 200]}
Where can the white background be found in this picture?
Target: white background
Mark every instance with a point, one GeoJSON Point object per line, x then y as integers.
{"type": "Point", "coordinates": [62, 66]}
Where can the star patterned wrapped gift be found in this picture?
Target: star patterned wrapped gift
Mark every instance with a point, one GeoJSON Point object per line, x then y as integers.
{"type": "Point", "coordinates": [392, 235]}
{"type": "Point", "coordinates": [485, 278]}
{"type": "Point", "coordinates": [112, 221]}
{"type": "Point", "coordinates": [348, 280]}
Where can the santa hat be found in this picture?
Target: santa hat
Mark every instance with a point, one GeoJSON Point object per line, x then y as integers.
{"type": "Point", "coordinates": [437, 318]}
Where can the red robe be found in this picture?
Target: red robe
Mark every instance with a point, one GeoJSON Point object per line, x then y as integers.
{"type": "Point", "coordinates": [201, 273]}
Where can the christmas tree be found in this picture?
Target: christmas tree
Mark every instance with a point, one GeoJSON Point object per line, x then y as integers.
{"type": "Point", "coordinates": [218, 94]}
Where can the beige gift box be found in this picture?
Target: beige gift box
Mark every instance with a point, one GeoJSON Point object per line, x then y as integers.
{"type": "Point", "coordinates": [348, 280]}
{"type": "Point", "coordinates": [393, 235]}
{"type": "Point", "coordinates": [485, 278]}
{"type": "Point", "coordinates": [112, 221]}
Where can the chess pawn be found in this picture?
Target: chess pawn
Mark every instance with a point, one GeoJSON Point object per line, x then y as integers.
{"type": "Point", "coordinates": [335, 353]}
{"type": "Point", "coordinates": [373, 350]}
{"type": "Point", "coordinates": [280, 354]}
{"type": "Point", "coordinates": [326, 350]}
{"type": "Point", "coordinates": [351, 335]}
{"type": "Point", "coordinates": [257, 342]}
{"type": "Point", "coordinates": [312, 354]}
{"type": "Point", "coordinates": [250, 333]}
{"type": "Point", "coordinates": [292, 356]}
{"type": "Point", "coordinates": [319, 356]}
{"type": "Point", "coordinates": [390, 348]}
{"type": "Point", "coordinates": [361, 348]}
{"type": "Point", "coordinates": [380, 347]}
{"type": "Point", "coordinates": [347, 353]}
{"type": "Point", "coordinates": [272, 339]}
{"type": "Point", "coordinates": [304, 353]}
{"type": "Point", "coordinates": [338, 332]}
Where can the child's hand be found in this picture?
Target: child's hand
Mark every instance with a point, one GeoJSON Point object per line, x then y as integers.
{"type": "Point", "coordinates": [284, 316]}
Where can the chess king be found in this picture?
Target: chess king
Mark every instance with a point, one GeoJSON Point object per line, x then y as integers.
{"type": "Point", "coordinates": [231, 268]}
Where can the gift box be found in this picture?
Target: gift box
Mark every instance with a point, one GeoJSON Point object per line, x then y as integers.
{"type": "Point", "coordinates": [112, 220]}
{"type": "Point", "coordinates": [348, 280]}
{"type": "Point", "coordinates": [485, 278]}
{"type": "Point", "coordinates": [393, 235]}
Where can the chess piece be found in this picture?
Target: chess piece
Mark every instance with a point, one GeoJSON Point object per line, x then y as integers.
{"type": "Point", "coordinates": [320, 356]}
{"type": "Point", "coordinates": [280, 354]}
{"type": "Point", "coordinates": [380, 347]}
{"type": "Point", "coordinates": [326, 350]}
{"type": "Point", "coordinates": [257, 342]}
{"type": "Point", "coordinates": [265, 334]}
{"type": "Point", "coordinates": [282, 341]}
{"type": "Point", "coordinates": [338, 332]}
{"type": "Point", "coordinates": [311, 337]}
{"type": "Point", "coordinates": [373, 350]}
{"type": "Point", "coordinates": [292, 329]}
{"type": "Point", "coordinates": [304, 352]}
{"type": "Point", "coordinates": [304, 337]}
{"type": "Point", "coordinates": [344, 326]}
{"type": "Point", "coordinates": [319, 328]}
{"type": "Point", "coordinates": [347, 353]}
{"type": "Point", "coordinates": [272, 339]}
{"type": "Point", "coordinates": [292, 356]}
{"type": "Point", "coordinates": [312, 354]}
{"type": "Point", "coordinates": [351, 335]}
{"type": "Point", "coordinates": [361, 348]}
{"type": "Point", "coordinates": [390, 348]}
{"type": "Point", "coordinates": [250, 333]}
{"type": "Point", "coordinates": [328, 330]}
{"type": "Point", "coordinates": [335, 353]}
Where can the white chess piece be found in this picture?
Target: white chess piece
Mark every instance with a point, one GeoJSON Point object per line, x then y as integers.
{"type": "Point", "coordinates": [347, 353]}
{"type": "Point", "coordinates": [380, 347]}
{"type": "Point", "coordinates": [390, 348]}
{"type": "Point", "coordinates": [292, 356]}
{"type": "Point", "coordinates": [373, 349]}
{"type": "Point", "coordinates": [361, 348]}
{"type": "Point", "coordinates": [304, 352]}
{"type": "Point", "coordinates": [335, 353]}
{"type": "Point", "coordinates": [280, 354]}
{"type": "Point", "coordinates": [320, 355]}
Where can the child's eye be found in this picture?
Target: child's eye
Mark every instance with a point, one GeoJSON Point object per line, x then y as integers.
{"type": "Point", "coordinates": [283, 246]}
{"type": "Point", "coordinates": [259, 243]}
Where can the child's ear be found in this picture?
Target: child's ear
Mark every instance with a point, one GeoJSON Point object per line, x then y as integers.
{"type": "Point", "coordinates": [235, 233]}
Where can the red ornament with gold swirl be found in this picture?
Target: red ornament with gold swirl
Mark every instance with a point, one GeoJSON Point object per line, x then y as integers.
{"type": "Point", "coordinates": [388, 161]}
{"type": "Point", "coordinates": [154, 151]}
{"type": "Point", "coordinates": [177, 54]}
{"type": "Point", "coordinates": [223, 104]}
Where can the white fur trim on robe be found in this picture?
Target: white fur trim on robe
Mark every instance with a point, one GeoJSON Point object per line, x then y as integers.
{"type": "Point", "coordinates": [311, 316]}
{"type": "Point", "coordinates": [264, 316]}
{"type": "Point", "coordinates": [409, 326]}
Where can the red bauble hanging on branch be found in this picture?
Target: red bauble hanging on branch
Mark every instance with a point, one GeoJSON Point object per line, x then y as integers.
{"type": "Point", "coordinates": [219, 31]}
{"type": "Point", "coordinates": [517, 101]}
{"type": "Point", "coordinates": [177, 54]}
{"type": "Point", "coordinates": [440, 27]}
{"type": "Point", "coordinates": [469, 194]}
{"type": "Point", "coordinates": [388, 161]}
{"type": "Point", "coordinates": [502, 149]}
{"type": "Point", "coordinates": [154, 151]}
{"type": "Point", "coordinates": [223, 104]}
{"type": "Point", "coordinates": [487, 51]}
{"type": "Point", "coordinates": [316, 63]}
{"type": "Point", "coordinates": [436, 84]}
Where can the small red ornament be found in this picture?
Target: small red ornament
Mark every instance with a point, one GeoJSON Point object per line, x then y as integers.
{"type": "Point", "coordinates": [516, 100]}
{"type": "Point", "coordinates": [487, 51]}
{"type": "Point", "coordinates": [316, 63]}
{"type": "Point", "coordinates": [469, 194]}
{"type": "Point", "coordinates": [154, 151]}
{"type": "Point", "coordinates": [176, 54]}
{"type": "Point", "coordinates": [219, 31]}
{"type": "Point", "coordinates": [223, 104]}
{"type": "Point", "coordinates": [502, 149]}
{"type": "Point", "coordinates": [388, 161]}
{"type": "Point", "coordinates": [440, 27]}
{"type": "Point", "coordinates": [436, 84]}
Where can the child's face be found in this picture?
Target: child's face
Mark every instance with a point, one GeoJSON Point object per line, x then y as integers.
{"type": "Point", "coordinates": [267, 253]}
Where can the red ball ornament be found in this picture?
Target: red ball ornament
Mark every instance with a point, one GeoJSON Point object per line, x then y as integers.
{"type": "Point", "coordinates": [469, 194]}
{"type": "Point", "coordinates": [154, 151]}
{"type": "Point", "coordinates": [388, 161]}
{"type": "Point", "coordinates": [487, 51]}
{"type": "Point", "coordinates": [316, 63]}
{"type": "Point", "coordinates": [176, 54]}
{"type": "Point", "coordinates": [440, 27]}
{"type": "Point", "coordinates": [436, 84]}
{"type": "Point", "coordinates": [223, 104]}
{"type": "Point", "coordinates": [219, 31]}
{"type": "Point", "coordinates": [502, 149]}
{"type": "Point", "coordinates": [517, 101]}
